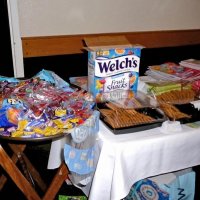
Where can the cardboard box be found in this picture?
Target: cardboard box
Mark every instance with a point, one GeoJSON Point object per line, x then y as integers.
{"type": "Point", "coordinates": [113, 65]}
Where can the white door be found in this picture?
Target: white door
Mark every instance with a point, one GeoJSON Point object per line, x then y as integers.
{"type": "Point", "coordinates": [15, 38]}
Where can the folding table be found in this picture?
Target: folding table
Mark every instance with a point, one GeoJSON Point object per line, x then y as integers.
{"type": "Point", "coordinates": [9, 165]}
{"type": "Point", "coordinates": [26, 178]}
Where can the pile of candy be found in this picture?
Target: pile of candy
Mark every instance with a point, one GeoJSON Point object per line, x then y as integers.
{"type": "Point", "coordinates": [42, 106]}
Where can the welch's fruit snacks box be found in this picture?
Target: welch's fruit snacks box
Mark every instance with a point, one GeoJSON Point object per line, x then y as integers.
{"type": "Point", "coordinates": [113, 66]}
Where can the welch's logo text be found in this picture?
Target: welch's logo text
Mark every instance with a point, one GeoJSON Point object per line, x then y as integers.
{"type": "Point", "coordinates": [107, 67]}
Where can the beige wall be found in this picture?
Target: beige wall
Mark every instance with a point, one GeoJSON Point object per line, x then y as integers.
{"type": "Point", "coordinates": [71, 17]}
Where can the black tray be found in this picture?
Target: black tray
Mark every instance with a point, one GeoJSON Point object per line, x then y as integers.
{"type": "Point", "coordinates": [189, 109]}
{"type": "Point", "coordinates": [155, 113]}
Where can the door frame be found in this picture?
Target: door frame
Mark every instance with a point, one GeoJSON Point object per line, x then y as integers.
{"type": "Point", "coordinates": [15, 36]}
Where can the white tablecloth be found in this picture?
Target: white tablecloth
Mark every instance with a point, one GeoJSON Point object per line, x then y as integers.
{"type": "Point", "coordinates": [127, 158]}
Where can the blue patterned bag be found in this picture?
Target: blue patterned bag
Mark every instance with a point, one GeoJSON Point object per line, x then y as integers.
{"type": "Point", "coordinates": [146, 190]}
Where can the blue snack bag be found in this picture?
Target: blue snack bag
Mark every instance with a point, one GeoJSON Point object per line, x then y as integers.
{"type": "Point", "coordinates": [146, 190]}
{"type": "Point", "coordinates": [10, 112]}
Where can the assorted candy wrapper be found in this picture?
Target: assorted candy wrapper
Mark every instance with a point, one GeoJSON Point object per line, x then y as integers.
{"type": "Point", "coordinates": [43, 105]}
{"type": "Point", "coordinates": [80, 81]}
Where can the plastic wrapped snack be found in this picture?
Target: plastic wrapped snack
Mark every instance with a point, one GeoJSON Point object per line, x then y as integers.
{"type": "Point", "coordinates": [172, 92]}
{"type": "Point", "coordinates": [80, 81]}
{"type": "Point", "coordinates": [176, 96]}
{"type": "Point", "coordinates": [42, 106]}
{"type": "Point", "coordinates": [130, 99]}
{"type": "Point", "coordinates": [172, 72]}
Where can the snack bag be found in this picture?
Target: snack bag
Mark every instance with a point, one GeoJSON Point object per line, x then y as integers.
{"type": "Point", "coordinates": [146, 190]}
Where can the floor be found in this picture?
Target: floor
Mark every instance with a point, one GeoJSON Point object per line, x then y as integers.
{"type": "Point", "coordinates": [38, 154]}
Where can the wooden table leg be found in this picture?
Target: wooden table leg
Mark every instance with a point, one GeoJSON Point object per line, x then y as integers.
{"type": "Point", "coordinates": [60, 177]}
{"type": "Point", "coordinates": [18, 149]}
{"type": "Point", "coordinates": [16, 176]}
{"type": "Point", "coordinates": [14, 158]}
{"type": "Point", "coordinates": [35, 174]}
